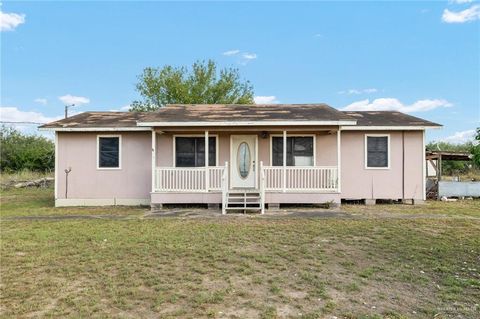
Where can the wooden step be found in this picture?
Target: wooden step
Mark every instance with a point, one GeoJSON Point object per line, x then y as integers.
{"type": "Point", "coordinates": [243, 200]}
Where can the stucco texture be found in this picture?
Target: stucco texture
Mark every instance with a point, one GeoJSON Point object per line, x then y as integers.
{"type": "Point", "coordinates": [359, 182]}
{"type": "Point", "coordinates": [78, 151]}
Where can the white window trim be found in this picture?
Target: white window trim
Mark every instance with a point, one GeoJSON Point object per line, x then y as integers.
{"type": "Point", "coordinates": [194, 135]}
{"type": "Point", "coordinates": [388, 151]}
{"type": "Point", "coordinates": [298, 135]}
{"type": "Point", "coordinates": [119, 152]}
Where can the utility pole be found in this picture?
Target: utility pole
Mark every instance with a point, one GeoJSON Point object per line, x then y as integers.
{"type": "Point", "coordinates": [66, 109]}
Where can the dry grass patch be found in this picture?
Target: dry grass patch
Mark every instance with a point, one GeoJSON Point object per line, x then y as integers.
{"type": "Point", "coordinates": [40, 202]}
{"type": "Point", "coordinates": [461, 208]}
{"type": "Point", "coordinates": [366, 267]}
{"type": "Point", "coordinates": [239, 268]}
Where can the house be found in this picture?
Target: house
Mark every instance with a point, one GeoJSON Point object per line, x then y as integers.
{"type": "Point", "coordinates": [238, 156]}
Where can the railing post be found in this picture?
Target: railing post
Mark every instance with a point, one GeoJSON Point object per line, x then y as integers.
{"type": "Point", "coordinates": [262, 189]}
{"type": "Point", "coordinates": [284, 161]}
{"type": "Point", "coordinates": [207, 175]}
{"type": "Point", "coordinates": [224, 188]}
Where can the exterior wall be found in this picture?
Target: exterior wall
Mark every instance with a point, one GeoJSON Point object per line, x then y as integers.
{"type": "Point", "coordinates": [325, 147]}
{"type": "Point", "coordinates": [361, 183]}
{"type": "Point", "coordinates": [88, 185]}
{"type": "Point", "coordinates": [132, 183]}
{"type": "Point", "coordinates": [325, 153]}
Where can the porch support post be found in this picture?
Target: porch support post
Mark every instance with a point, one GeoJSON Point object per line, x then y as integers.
{"type": "Point", "coordinates": [339, 162]}
{"type": "Point", "coordinates": [207, 175]}
{"type": "Point", "coordinates": [284, 161]}
{"type": "Point", "coordinates": [424, 168]}
{"type": "Point", "coordinates": [154, 158]}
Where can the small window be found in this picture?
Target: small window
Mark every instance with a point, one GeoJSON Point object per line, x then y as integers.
{"type": "Point", "coordinates": [108, 152]}
{"type": "Point", "coordinates": [377, 151]}
{"type": "Point", "coordinates": [299, 151]}
{"type": "Point", "coordinates": [190, 151]}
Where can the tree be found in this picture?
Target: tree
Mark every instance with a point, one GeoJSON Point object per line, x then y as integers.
{"type": "Point", "coordinates": [200, 85]}
{"type": "Point", "coordinates": [450, 167]}
{"type": "Point", "coordinates": [19, 151]}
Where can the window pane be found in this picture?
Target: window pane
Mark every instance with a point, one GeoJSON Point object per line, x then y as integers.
{"type": "Point", "coordinates": [302, 151]}
{"type": "Point", "coordinates": [190, 151]}
{"type": "Point", "coordinates": [277, 151]}
{"type": "Point", "coordinates": [185, 152]}
{"type": "Point", "coordinates": [299, 151]}
{"type": "Point", "coordinates": [377, 148]}
{"type": "Point", "coordinates": [212, 151]}
{"type": "Point", "coordinates": [108, 152]}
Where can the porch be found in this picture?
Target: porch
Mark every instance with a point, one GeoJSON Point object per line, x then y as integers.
{"type": "Point", "coordinates": [244, 182]}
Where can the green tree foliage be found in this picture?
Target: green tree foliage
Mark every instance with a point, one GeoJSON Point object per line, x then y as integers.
{"type": "Point", "coordinates": [25, 152]}
{"type": "Point", "coordinates": [453, 167]}
{"type": "Point", "coordinates": [200, 85]}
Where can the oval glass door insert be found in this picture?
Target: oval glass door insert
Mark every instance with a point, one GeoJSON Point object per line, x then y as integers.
{"type": "Point", "coordinates": [243, 159]}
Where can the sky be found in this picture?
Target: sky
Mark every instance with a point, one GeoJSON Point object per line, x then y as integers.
{"type": "Point", "coordinates": [422, 58]}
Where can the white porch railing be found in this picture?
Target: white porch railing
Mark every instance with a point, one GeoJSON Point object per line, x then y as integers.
{"type": "Point", "coordinates": [294, 178]}
{"type": "Point", "coordinates": [188, 179]}
{"type": "Point", "coordinates": [272, 178]}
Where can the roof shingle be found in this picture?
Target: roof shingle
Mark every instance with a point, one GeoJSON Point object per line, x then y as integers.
{"type": "Point", "coordinates": [387, 118]}
{"type": "Point", "coordinates": [214, 113]}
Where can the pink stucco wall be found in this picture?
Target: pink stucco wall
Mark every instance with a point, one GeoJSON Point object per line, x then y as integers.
{"type": "Point", "coordinates": [133, 180]}
{"type": "Point", "coordinates": [361, 183]}
{"type": "Point", "coordinates": [79, 151]}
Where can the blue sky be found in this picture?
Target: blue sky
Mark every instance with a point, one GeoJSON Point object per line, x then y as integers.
{"type": "Point", "coordinates": [419, 57]}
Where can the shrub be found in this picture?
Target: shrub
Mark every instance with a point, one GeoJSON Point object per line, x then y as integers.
{"type": "Point", "coordinates": [19, 151]}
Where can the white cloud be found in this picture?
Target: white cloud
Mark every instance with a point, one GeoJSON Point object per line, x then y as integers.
{"type": "Point", "coordinates": [242, 57]}
{"type": "Point", "coordinates": [460, 1]}
{"type": "Point", "coordinates": [13, 114]}
{"type": "Point", "coordinates": [265, 99]}
{"type": "Point", "coordinates": [249, 56]}
{"type": "Point", "coordinates": [460, 137]}
{"type": "Point", "coordinates": [9, 21]}
{"type": "Point", "coordinates": [358, 91]}
{"type": "Point", "coordinates": [71, 99]}
{"type": "Point", "coordinates": [41, 101]}
{"type": "Point", "coordinates": [122, 109]}
{"type": "Point", "coordinates": [470, 14]}
{"type": "Point", "coordinates": [231, 52]}
{"type": "Point", "coordinates": [392, 104]}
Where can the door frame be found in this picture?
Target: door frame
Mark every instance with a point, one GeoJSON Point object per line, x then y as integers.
{"type": "Point", "coordinates": [257, 165]}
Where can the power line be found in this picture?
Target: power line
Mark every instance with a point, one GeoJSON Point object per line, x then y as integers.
{"type": "Point", "coordinates": [14, 122]}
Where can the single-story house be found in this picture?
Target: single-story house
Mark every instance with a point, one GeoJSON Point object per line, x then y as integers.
{"type": "Point", "coordinates": [238, 156]}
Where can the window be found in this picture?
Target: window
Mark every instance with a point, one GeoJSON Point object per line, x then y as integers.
{"type": "Point", "coordinates": [190, 151]}
{"type": "Point", "coordinates": [377, 151]}
{"type": "Point", "coordinates": [299, 151]}
{"type": "Point", "coordinates": [108, 151]}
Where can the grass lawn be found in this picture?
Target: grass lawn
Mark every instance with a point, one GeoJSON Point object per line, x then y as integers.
{"type": "Point", "coordinates": [385, 262]}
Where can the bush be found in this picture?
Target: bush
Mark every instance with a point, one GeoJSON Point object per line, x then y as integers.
{"type": "Point", "coordinates": [19, 151]}
{"type": "Point", "coordinates": [450, 167]}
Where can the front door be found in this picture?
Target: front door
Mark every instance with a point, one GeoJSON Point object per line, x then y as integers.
{"type": "Point", "coordinates": [243, 156]}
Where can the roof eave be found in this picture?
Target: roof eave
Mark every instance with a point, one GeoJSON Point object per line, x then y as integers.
{"type": "Point", "coordinates": [249, 123]}
{"type": "Point", "coordinates": [390, 127]}
{"type": "Point", "coordinates": [96, 129]}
